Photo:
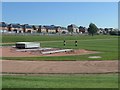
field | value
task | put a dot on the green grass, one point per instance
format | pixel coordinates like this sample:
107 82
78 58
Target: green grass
105 44
18 38
7 44
62 81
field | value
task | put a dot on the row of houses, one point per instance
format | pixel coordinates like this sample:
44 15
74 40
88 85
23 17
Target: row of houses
26 28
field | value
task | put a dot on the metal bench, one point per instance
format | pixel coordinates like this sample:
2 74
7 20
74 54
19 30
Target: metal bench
57 51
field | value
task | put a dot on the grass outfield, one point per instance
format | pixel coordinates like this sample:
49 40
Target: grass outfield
27 38
62 81
105 44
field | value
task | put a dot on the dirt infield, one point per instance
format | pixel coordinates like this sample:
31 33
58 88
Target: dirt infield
11 52
54 67
59 67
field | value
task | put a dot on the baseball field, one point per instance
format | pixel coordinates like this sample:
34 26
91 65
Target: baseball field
64 71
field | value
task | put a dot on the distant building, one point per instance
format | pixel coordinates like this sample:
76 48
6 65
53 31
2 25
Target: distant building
82 29
73 28
16 28
63 30
107 30
41 29
100 31
27 28
35 28
58 29
3 27
51 29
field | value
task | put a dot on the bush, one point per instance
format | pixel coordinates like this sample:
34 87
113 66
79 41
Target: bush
114 32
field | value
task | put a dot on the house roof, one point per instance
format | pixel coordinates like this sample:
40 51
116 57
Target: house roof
42 27
37 26
15 26
50 27
64 28
3 24
28 26
73 25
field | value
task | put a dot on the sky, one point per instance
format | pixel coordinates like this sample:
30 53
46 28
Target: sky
60 0
103 14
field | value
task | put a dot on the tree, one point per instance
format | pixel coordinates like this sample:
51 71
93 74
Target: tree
115 32
92 29
39 29
9 27
34 28
24 28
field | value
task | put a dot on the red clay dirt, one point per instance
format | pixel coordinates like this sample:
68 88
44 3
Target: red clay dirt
54 67
11 52
58 67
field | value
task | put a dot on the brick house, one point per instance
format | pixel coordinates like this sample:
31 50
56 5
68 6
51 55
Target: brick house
63 30
51 29
16 28
27 28
41 29
73 28
3 27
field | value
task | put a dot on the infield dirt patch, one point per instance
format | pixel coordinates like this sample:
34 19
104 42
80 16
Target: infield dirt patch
11 52
54 67
59 67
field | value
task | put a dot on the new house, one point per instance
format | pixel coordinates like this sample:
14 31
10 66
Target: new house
41 29
73 28
16 28
27 28
3 27
51 29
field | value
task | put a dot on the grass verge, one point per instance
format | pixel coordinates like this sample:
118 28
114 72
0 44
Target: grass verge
62 81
